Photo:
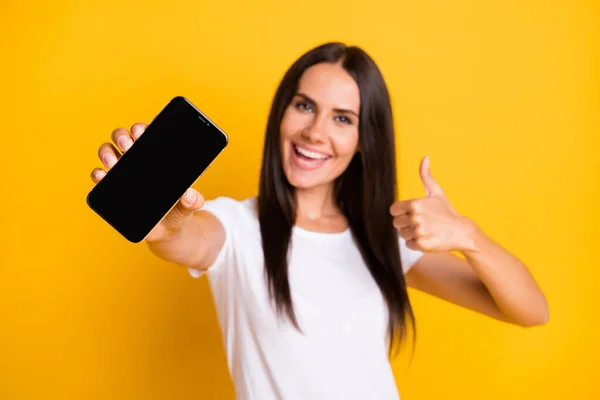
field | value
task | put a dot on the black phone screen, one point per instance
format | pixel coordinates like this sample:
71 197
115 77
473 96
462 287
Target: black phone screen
148 180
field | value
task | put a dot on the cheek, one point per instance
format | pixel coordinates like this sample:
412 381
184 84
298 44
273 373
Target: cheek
346 145
284 128
291 123
285 131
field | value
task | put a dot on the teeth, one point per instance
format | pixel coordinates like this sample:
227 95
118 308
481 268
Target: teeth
311 154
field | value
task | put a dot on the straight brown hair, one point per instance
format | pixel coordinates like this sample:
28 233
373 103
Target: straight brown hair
364 192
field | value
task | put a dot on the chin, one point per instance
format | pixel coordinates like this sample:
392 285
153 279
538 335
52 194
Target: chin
304 183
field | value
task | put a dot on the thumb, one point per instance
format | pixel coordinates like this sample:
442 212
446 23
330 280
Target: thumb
432 188
191 201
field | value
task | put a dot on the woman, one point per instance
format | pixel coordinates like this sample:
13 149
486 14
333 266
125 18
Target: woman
309 278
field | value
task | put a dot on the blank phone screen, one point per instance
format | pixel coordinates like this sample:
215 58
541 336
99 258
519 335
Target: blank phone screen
149 179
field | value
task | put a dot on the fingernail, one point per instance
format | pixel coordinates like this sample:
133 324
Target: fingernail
109 159
125 143
137 131
190 196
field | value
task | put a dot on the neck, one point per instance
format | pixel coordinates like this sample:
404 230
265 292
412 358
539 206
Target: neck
316 203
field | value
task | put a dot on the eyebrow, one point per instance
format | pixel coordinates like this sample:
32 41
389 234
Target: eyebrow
314 103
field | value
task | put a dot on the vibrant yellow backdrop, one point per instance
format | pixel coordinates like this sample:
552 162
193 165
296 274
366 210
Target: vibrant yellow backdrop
503 95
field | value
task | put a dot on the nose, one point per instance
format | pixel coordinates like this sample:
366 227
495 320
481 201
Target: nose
315 132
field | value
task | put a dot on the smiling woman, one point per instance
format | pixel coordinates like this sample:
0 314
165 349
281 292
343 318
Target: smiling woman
331 128
308 277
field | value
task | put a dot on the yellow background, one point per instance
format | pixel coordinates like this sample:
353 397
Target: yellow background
504 96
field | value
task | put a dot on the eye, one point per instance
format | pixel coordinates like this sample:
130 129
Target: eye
303 106
343 119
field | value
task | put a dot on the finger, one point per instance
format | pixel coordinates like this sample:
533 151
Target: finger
137 130
122 139
432 187
189 202
414 245
402 221
192 200
97 174
407 233
404 207
108 155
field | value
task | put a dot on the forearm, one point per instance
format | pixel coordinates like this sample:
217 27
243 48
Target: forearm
507 279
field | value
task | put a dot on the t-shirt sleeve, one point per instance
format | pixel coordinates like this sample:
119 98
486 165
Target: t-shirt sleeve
227 212
408 257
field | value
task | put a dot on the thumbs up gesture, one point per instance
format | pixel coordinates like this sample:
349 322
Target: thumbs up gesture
430 223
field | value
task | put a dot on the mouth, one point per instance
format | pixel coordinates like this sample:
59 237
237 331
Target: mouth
308 159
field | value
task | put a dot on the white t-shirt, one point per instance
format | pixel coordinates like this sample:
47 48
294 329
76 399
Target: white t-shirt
342 353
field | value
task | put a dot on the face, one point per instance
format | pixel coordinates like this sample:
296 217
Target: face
319 129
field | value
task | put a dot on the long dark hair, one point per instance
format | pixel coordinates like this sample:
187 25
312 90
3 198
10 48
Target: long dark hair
364 192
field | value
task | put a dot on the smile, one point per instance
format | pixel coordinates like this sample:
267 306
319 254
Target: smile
306 159
313 155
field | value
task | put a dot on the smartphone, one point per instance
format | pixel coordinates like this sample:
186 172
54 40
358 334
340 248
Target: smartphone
176 148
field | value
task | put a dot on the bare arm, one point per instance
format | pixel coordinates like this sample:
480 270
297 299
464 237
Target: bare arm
187 235
490 280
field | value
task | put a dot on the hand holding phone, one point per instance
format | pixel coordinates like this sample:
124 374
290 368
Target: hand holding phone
176 219
151 169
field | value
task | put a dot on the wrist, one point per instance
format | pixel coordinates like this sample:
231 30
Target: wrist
472 237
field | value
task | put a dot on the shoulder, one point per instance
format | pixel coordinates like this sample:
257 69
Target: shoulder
250 205
227 202
231 211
